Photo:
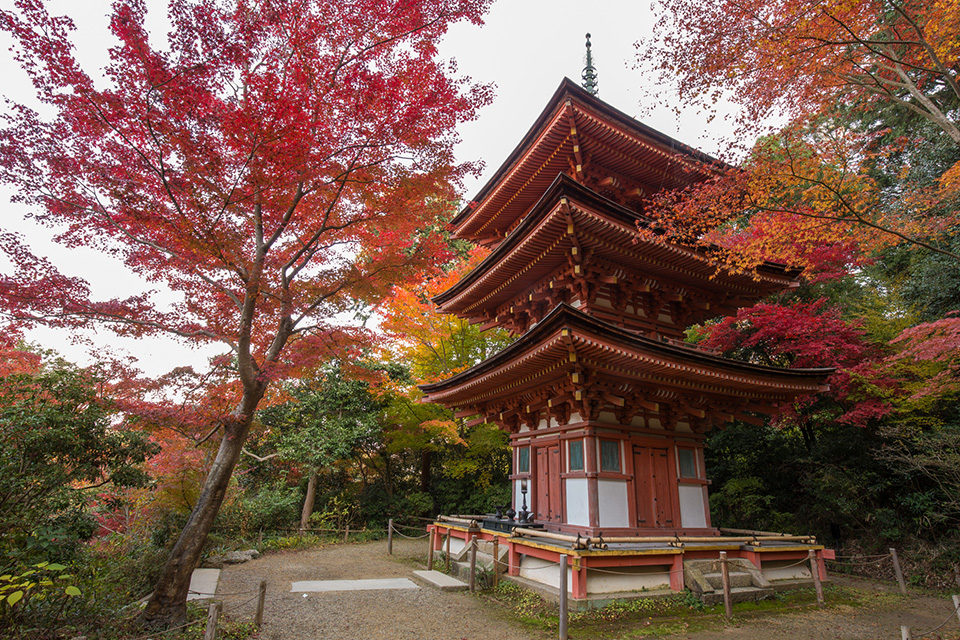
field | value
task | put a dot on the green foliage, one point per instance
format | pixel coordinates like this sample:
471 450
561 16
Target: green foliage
272 506
39 593
57 443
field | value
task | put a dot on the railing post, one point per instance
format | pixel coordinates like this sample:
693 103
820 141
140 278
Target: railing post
261 596
563 597
432 539
446 559
897 571
905 633
213 616
725 579
496 561
390 537
473 563
956 606
815 573
346 533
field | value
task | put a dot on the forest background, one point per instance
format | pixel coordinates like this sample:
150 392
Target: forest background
859 187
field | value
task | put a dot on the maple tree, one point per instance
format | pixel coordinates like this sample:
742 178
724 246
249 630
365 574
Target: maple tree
807 194
433 346
271 163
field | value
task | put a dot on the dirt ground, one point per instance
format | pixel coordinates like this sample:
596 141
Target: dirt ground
428 614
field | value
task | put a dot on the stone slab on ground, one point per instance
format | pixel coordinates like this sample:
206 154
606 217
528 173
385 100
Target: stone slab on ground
440 580
369 584
203 584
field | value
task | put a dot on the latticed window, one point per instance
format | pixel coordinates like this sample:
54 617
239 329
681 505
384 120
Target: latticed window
523 460
610 455
576 455
687 459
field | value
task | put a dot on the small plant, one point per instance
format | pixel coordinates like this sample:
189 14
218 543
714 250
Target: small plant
44 585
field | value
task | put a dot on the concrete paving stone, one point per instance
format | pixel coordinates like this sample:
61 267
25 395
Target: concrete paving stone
203 584
370 584
440 581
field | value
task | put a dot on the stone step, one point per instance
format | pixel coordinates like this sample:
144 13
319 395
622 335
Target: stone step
737 579
737 594
439 580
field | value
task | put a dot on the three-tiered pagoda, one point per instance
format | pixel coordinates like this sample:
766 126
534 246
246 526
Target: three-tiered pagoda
606 405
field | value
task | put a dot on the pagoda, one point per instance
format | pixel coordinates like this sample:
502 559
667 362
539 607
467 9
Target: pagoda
606 405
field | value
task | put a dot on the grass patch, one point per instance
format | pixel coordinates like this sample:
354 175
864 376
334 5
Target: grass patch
665 616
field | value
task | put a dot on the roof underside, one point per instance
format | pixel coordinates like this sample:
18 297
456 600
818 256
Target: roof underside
575 124
542 357
570 215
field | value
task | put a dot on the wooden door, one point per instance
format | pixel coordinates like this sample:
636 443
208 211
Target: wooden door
556 493
662 488
548 507
651 473
542 506
643 480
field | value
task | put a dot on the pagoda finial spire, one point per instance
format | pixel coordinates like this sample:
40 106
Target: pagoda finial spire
589 74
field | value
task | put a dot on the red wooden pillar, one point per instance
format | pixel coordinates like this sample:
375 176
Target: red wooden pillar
676 573
753 557
579 583
593 486
513 559
821 564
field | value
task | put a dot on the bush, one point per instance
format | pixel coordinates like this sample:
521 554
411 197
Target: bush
274 506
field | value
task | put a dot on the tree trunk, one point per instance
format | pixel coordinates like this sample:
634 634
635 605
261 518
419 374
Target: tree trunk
167 606
425 460
308 501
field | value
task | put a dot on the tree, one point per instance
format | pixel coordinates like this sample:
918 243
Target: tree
434 346
323 422
844 75
271 164
58 445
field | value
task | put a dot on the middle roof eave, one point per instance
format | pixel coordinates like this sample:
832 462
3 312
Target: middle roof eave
565 316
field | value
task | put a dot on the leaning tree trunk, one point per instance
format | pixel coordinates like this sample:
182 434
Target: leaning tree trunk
308 501
167 606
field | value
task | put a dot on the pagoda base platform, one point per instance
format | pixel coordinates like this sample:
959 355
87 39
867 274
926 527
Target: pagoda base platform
600 573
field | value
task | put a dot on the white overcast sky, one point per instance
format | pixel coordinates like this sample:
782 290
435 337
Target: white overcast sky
526 47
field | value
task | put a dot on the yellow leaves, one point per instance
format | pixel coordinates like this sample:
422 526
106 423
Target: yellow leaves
942 30
949 183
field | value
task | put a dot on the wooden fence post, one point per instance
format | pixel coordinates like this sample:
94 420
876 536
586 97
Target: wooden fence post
905 633
815 574
346 533
261 596
446 559
956 606
213 616
431 539
563 597
956 574
725 578
496 561
390 536
897 571
473 563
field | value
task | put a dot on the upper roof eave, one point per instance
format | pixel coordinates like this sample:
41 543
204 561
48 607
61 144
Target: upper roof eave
569 88
564 185
565 315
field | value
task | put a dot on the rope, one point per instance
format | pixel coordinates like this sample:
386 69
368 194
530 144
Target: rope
403 535
879 555
941 625
234 607
156 633
236 593
408 526
859 564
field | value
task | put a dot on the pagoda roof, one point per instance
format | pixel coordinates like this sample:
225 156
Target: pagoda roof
542 352
532 250
575 118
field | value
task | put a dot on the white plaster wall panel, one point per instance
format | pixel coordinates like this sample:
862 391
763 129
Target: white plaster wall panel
456 545
628 579
692 514
575 417
542 424
544 572
612 495
608 417
578 509
785 570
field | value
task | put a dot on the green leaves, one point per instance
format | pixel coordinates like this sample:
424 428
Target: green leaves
42 581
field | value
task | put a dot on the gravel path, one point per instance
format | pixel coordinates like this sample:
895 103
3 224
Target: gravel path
429 614
413 614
